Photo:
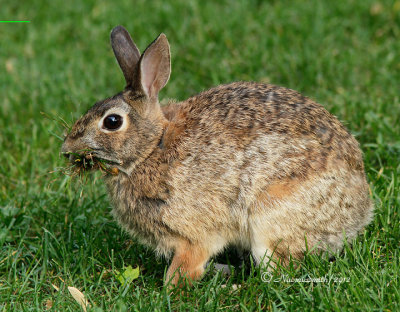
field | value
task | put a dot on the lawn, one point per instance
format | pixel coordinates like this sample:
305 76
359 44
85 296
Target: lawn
56 231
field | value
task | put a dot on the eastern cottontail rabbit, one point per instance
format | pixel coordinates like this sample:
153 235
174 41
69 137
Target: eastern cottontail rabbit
253 165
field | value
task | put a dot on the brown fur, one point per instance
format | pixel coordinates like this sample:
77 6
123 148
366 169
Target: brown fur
174 129
279 191
249 164
188 262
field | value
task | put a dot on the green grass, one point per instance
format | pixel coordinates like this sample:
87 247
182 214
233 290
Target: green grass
58 230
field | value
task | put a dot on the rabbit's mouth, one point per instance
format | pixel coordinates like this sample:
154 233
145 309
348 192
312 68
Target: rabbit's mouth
89 161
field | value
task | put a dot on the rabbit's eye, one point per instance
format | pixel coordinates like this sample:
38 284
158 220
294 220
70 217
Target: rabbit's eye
112 122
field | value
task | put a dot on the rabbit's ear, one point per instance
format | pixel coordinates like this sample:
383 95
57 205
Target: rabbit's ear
155 67
126 52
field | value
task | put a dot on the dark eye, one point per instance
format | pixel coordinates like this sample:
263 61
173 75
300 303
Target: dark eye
112 122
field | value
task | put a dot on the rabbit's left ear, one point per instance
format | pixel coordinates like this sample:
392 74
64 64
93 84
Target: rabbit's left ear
155 67
126 53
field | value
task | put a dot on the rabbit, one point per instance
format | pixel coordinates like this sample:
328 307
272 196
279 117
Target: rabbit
244 164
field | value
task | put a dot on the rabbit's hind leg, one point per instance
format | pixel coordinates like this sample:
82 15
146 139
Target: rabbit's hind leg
272 230
262 253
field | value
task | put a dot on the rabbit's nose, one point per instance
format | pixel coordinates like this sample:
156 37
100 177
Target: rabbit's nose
66 150
67 155
70 156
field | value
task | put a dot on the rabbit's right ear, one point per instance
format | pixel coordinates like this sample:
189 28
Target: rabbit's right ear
155 67
126 52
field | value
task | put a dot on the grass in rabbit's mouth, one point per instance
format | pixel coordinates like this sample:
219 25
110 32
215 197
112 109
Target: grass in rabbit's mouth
86 162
